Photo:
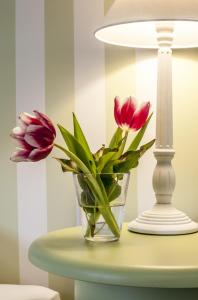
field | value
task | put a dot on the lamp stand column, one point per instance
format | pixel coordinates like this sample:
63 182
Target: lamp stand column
163 218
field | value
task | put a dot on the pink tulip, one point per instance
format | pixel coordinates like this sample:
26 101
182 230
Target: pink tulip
35 137
128 116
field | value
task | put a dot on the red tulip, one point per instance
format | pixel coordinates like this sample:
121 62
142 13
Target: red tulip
35 137
128 116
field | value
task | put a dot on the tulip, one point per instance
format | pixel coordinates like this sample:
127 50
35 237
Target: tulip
128 116
34 136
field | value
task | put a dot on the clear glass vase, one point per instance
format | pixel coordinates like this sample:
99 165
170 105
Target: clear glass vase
102 200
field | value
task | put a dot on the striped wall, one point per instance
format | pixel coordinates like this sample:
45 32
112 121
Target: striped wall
50 61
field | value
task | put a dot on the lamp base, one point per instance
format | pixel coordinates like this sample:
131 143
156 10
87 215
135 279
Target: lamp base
163 219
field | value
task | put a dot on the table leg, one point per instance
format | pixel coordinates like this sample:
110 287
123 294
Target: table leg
94 291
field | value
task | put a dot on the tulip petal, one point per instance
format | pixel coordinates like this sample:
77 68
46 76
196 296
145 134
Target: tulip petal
20 155
117 111
22 125
140 116
45 121
38 136
127 111
22 144
17 133
29 119
38 154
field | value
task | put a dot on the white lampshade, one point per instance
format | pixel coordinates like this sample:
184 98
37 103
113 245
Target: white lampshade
131 23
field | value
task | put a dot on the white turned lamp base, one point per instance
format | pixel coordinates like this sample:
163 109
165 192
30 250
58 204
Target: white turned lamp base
163 219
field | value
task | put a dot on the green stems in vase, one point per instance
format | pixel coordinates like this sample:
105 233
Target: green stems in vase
102 211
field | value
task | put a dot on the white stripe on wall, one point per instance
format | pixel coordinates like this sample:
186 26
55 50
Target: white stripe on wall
89 71
30 94
146 83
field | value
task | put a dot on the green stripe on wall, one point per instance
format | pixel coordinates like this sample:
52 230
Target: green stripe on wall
9 260
59 52
120 81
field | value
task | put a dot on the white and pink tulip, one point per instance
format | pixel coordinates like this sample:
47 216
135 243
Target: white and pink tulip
35 136
128 116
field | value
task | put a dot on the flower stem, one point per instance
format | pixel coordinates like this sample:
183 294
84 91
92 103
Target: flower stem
124 141
122 146
59 147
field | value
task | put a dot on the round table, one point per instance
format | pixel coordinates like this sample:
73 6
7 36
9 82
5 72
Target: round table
135 267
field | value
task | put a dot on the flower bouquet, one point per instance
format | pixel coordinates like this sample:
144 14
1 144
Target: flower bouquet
101 178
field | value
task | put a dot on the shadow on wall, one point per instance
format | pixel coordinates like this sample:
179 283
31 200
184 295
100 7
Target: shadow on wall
186 54
126 57
8 272
64 286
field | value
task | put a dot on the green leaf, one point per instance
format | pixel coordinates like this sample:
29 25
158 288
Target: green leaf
129 161
104 160
75 158
117 137
129 155
99 153
125 166
75 147
136 141
108 167
67 165
79 135
147 146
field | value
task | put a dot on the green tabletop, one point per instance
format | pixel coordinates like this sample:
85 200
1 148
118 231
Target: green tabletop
136 260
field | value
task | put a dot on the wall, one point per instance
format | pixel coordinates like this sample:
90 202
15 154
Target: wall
8 175
185 73
50 61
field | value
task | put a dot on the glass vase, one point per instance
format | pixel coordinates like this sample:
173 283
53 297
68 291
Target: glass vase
102 198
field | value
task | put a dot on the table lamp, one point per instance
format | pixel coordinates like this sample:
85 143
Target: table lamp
162 25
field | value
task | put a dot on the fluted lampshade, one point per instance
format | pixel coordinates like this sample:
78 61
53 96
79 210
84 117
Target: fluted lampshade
131 23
